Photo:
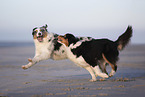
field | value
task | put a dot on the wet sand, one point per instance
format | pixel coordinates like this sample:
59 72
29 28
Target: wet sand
64 79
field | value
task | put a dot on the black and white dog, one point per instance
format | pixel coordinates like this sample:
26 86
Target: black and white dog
94 54
46 46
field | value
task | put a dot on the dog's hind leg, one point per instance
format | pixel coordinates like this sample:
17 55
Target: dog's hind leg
99 72
102 65
92 73
113 66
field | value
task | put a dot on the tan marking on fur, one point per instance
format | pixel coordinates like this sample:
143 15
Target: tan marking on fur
120 47
65 41
36 30
34 36
44 34
112 66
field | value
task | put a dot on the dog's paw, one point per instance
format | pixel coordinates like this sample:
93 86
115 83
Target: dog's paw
29 59
24 67
92 80
112 73
104 75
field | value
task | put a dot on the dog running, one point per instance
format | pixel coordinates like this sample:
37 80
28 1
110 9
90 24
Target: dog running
93 55
47 47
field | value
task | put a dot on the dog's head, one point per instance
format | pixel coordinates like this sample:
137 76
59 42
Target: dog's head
67 39
39 33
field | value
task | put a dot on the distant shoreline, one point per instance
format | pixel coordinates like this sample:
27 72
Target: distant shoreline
16 44
21 44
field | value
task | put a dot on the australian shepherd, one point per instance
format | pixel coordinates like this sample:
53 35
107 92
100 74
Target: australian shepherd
93 55
47 47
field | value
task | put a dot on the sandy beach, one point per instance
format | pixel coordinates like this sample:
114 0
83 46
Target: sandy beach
64 79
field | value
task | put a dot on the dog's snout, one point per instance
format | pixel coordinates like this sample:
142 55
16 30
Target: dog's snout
39 34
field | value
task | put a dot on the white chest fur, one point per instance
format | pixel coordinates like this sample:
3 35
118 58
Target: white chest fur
78 60
45 46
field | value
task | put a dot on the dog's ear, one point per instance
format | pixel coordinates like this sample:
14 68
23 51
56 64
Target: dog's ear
34 28
33 32
45 26
71 38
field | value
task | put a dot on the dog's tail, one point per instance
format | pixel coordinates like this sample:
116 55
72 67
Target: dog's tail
124 39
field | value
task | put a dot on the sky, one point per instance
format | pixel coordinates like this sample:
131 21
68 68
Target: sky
94 18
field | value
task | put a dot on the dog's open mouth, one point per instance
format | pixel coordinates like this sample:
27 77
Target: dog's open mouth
40 38
59 39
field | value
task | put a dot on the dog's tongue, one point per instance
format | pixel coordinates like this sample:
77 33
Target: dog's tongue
40 39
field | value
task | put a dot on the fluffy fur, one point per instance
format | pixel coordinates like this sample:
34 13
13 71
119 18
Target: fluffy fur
94 54
47 47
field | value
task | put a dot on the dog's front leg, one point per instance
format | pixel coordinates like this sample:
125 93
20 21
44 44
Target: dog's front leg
31 62
28 65
92 73
36 59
